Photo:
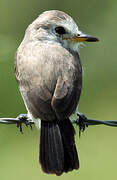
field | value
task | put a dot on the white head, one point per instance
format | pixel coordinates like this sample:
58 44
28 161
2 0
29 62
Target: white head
57 27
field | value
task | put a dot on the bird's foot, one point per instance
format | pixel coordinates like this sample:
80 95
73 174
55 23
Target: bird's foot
24 118
81 122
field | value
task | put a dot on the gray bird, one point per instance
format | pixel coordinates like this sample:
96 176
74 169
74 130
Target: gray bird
49 75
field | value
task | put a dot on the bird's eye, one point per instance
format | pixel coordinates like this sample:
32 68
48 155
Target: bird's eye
60 30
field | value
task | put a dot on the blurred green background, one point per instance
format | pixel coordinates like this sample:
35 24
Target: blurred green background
97 146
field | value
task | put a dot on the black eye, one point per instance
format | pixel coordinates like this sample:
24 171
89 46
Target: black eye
60 30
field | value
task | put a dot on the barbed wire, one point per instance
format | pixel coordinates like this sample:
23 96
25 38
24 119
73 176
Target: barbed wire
19 120
82 122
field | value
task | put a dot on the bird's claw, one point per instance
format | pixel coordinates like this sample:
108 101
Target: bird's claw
23 118
81 122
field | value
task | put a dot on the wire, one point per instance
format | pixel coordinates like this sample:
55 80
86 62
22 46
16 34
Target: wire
82 122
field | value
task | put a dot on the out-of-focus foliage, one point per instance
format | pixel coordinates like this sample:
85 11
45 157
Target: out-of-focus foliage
97 147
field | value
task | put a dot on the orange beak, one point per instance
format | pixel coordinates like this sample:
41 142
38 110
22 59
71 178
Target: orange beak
81 38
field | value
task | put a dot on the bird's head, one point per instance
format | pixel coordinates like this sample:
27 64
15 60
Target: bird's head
57 27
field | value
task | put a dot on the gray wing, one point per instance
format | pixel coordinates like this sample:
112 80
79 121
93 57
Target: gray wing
68 89
65 98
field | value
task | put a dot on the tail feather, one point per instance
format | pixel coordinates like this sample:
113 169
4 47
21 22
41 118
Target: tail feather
51 149
71 160
58 152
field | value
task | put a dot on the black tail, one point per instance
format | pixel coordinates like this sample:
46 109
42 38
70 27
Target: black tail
58 152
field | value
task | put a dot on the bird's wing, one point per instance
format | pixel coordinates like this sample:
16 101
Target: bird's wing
65 98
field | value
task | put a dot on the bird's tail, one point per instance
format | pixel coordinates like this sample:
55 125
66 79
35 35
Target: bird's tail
58 152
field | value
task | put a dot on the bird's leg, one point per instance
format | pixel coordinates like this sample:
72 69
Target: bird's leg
81 122
24 118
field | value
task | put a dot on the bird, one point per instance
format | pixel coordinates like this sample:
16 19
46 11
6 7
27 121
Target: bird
49 75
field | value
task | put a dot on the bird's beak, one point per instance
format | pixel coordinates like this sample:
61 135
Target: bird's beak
85 37
82 37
